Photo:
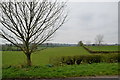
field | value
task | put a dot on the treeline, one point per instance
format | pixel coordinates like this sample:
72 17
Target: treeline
10 47
56 45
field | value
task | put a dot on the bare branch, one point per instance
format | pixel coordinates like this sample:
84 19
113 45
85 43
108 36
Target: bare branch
99 39
31 23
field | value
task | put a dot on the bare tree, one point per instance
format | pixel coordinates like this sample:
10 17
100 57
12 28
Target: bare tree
99 39
29 24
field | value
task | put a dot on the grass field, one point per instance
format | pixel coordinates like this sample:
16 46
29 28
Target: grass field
62 71
103 48
12 62
40 57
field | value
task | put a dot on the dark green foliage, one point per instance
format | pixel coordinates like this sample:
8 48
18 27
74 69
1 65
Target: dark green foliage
80 43
92 59
111 58
69 60
9 47
79 60
66 60
119 57
89 59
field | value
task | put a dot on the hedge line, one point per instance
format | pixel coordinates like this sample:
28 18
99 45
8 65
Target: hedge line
89 59
91 51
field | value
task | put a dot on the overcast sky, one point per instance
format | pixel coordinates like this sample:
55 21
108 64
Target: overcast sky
88 19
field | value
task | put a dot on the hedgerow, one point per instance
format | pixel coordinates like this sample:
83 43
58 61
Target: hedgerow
86 59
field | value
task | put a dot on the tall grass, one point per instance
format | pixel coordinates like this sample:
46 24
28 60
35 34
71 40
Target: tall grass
64 71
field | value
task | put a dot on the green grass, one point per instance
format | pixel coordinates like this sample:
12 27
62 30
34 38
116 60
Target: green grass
103 48
40 57
61 71
40 69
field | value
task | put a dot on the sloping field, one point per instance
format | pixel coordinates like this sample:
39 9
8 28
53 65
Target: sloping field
103 48
40 57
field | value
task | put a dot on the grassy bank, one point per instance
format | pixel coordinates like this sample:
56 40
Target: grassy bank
97 69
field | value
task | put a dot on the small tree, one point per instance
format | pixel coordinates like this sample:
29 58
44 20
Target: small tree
99 39
29 24
80 43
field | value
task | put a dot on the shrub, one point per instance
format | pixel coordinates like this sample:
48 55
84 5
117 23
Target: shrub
93 59
89 59
79 59
111 58
69 60
55 60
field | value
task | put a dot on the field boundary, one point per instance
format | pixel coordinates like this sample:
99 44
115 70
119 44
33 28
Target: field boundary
91 51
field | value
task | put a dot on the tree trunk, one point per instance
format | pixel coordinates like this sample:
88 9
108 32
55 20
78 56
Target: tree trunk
29 63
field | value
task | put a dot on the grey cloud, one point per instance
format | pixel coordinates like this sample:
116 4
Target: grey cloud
86 20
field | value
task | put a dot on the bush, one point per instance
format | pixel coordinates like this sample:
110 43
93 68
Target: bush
93 59
79 59
69 60
89 59
111 58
